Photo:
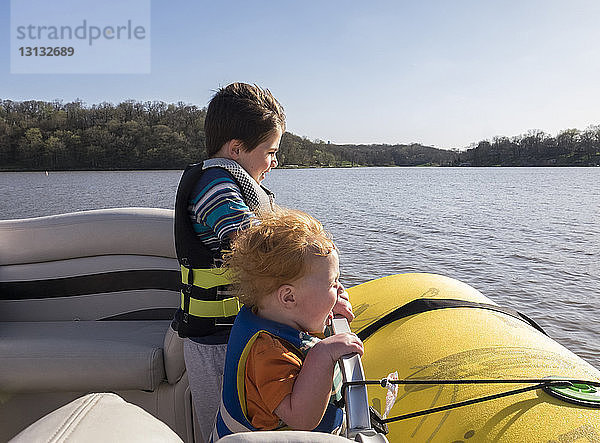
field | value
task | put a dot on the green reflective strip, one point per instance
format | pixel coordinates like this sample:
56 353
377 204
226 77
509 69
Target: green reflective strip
207 278
219 308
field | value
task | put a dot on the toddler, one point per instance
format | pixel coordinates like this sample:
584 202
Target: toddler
278 375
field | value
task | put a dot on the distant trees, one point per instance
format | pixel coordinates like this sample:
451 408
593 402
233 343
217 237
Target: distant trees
392 155
38 135
131 135
571 147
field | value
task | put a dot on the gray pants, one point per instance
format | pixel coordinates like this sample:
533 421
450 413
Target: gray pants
204 364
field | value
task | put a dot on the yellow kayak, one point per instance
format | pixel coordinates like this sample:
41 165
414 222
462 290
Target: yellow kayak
430 327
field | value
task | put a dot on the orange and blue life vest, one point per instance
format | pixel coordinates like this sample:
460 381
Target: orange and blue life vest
232 414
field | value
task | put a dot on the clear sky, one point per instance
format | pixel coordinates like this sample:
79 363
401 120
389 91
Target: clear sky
443 73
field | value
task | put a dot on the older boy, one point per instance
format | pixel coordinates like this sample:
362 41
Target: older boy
215 200
277 375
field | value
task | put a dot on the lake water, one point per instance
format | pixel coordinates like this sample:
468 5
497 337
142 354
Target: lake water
528 238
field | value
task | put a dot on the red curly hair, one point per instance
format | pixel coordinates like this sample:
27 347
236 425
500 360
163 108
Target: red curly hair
275 252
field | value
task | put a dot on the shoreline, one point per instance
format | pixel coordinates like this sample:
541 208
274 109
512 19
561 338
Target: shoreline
306 167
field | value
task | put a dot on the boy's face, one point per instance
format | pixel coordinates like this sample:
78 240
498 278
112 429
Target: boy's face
317 292
261 159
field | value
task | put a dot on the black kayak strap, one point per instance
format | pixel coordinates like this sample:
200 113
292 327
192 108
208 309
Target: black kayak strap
422 305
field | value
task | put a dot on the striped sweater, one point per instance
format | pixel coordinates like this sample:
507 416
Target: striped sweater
217 208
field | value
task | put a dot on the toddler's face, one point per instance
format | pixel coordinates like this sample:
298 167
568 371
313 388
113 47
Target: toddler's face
318 291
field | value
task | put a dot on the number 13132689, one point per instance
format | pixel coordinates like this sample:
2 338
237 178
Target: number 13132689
46 51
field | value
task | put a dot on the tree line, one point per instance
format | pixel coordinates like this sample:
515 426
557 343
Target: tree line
39 135
131 135
570 147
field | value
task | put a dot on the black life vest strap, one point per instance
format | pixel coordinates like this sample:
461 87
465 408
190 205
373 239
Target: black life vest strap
186 291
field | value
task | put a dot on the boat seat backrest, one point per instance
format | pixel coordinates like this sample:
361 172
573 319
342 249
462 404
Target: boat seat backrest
137 231
117 264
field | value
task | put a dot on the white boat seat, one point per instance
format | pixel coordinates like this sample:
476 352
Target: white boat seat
86 300
98 418
82 356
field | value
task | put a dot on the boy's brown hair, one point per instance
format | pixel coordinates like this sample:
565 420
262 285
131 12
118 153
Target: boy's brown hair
242 112
275 252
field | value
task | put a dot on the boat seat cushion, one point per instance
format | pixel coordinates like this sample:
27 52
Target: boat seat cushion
98 418
82 356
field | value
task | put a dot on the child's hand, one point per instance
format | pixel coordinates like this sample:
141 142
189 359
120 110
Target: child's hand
342 306
303 409
340 344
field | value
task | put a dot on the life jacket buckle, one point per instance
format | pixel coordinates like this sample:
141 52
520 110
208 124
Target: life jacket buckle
187 289
186 317
185 262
